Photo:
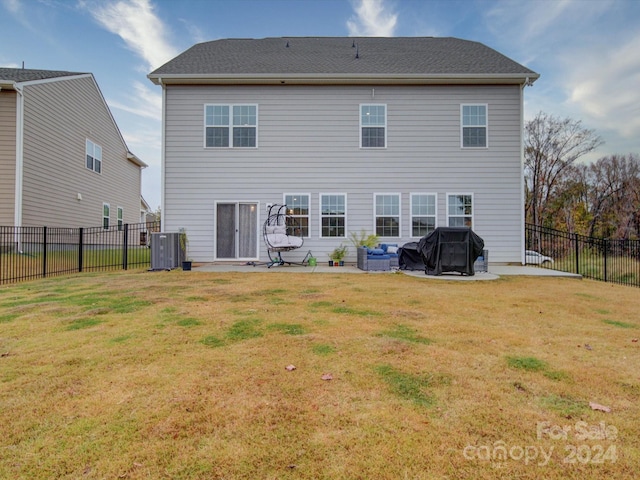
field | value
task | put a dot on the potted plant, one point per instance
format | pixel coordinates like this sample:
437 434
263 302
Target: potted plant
363 239
338 255
184 250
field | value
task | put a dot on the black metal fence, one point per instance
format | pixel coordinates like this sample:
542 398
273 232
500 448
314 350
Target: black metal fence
615 261
27 253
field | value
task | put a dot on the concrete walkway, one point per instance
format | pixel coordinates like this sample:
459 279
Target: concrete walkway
495 271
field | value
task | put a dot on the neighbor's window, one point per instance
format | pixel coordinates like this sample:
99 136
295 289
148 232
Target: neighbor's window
298 209
373 126
423 213
120 217
460 210
94 156
233 126
474 126
106 209
333 214
387 214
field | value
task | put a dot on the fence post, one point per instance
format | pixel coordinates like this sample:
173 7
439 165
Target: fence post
80 248
575 236
44 251
605 244
125 245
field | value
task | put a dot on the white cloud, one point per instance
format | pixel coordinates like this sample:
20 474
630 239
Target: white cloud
605 85
373 19
137 24
13 6
143 102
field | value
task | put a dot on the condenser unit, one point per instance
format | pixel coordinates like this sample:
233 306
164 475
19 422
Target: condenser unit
165 251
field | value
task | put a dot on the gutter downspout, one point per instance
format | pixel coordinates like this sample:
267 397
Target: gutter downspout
162 154
19 161
526 83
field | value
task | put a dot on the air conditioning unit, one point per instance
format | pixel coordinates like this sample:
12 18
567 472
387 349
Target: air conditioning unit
165 251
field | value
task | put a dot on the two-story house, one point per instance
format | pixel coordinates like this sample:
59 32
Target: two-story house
63 160
394 136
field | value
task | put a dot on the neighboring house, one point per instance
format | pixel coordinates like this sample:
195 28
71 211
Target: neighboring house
395 136
63 161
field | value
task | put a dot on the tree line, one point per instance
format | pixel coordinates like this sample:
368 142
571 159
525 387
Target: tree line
598 199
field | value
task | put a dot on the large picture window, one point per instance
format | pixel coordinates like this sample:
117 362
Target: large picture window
387 214
93 156
333 214
231 126
474 126
298 209
373 126
460 210
423 214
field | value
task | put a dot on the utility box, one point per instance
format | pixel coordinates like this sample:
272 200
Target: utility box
166 253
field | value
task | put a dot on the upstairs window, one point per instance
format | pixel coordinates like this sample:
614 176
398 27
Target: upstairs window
474 126
298 209
93 156
387 214
231 126
373 126
333 214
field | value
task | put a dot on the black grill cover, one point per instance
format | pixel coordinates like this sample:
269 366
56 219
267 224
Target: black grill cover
450 249
409 258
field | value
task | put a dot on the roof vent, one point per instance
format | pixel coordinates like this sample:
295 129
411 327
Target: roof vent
357 51
287 43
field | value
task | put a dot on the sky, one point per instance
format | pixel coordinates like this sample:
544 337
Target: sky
587 52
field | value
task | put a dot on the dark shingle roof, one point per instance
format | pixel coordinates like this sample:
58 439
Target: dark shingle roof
27 75
344 56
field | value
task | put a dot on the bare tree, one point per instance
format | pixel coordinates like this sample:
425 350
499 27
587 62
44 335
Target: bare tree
552 145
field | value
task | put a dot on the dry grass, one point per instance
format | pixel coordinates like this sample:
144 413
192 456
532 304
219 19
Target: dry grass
182 375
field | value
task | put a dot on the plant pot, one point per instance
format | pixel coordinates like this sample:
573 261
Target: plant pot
342 263
312 261
331 263
186 266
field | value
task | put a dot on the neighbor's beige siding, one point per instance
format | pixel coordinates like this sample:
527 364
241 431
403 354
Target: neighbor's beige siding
7 156
58 119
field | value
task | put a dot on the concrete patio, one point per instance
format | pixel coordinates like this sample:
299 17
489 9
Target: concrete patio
495 271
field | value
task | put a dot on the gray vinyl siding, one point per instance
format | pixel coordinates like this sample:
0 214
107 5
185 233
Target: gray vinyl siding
7 156
308 142
58 118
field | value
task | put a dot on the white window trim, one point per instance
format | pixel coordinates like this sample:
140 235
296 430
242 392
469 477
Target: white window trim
473 207
105 204
375 215
346 206
411 215
118 218
308 195
386 114
94 144
486 127
230 126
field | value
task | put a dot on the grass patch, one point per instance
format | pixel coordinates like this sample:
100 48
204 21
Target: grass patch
244 330
83 323
407 386
188 322
402 332
212 341
532 364
617 323
8 317
120 339
565 406
288 328
323 350
355 311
